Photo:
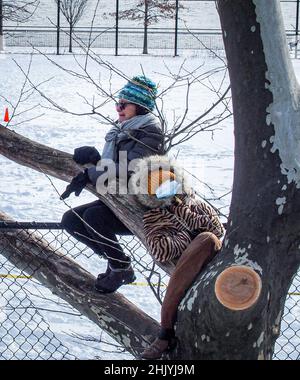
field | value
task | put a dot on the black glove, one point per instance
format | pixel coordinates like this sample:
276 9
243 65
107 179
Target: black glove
77 184
86 155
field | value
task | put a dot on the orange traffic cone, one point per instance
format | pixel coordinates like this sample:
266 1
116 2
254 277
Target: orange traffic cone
6 116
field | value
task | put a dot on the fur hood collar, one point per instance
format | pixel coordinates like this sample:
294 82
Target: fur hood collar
138 182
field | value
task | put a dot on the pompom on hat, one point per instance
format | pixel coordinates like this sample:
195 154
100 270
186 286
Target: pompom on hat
140 90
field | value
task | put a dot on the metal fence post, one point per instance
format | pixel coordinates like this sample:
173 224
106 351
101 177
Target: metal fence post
176 29
58 28
117 27
1 27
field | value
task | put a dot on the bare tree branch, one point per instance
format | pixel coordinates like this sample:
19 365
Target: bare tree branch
19 10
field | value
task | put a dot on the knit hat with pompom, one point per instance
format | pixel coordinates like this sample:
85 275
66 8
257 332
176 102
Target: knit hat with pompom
140 90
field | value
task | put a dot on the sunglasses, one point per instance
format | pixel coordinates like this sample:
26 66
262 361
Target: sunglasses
122 105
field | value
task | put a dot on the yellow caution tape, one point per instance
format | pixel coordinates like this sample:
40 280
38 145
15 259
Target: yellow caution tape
14 276
133 283
145 284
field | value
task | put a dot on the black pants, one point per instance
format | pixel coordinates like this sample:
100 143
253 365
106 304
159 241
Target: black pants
98 216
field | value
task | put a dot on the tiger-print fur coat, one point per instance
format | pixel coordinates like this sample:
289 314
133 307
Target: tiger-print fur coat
170 230
172 223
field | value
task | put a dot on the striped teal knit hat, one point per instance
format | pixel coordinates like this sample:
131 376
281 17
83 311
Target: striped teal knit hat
140 90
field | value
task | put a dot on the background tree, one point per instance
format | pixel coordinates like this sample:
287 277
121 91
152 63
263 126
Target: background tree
149 12
73 11
234 308
17 11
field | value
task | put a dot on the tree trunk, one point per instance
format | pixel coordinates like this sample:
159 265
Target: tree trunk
263 226
127 324
145 45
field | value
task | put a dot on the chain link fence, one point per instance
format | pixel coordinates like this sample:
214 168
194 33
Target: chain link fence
29 312
103 40
33 321
201 42
130 40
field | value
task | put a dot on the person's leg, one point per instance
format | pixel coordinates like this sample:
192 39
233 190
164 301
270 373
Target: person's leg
199 252
95 225
102 226
119 270
72 221
97 228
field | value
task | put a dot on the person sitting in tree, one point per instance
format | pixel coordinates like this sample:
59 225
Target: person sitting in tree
137 134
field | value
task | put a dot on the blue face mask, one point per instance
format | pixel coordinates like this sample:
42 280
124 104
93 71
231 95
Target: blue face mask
168 189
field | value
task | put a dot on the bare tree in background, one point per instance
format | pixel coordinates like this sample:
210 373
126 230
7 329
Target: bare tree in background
73 11
19 10
149 12
16 11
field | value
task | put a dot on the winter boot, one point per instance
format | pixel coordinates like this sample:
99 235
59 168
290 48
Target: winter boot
106 273
115 278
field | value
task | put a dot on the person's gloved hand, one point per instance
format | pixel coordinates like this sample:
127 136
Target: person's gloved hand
77 184
86 155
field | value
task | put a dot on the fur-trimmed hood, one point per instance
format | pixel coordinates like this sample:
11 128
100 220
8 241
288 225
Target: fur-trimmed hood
138 182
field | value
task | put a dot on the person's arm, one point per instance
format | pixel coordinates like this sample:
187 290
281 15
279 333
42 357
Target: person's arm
199 217
77 184
94 174
164 236
86 155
